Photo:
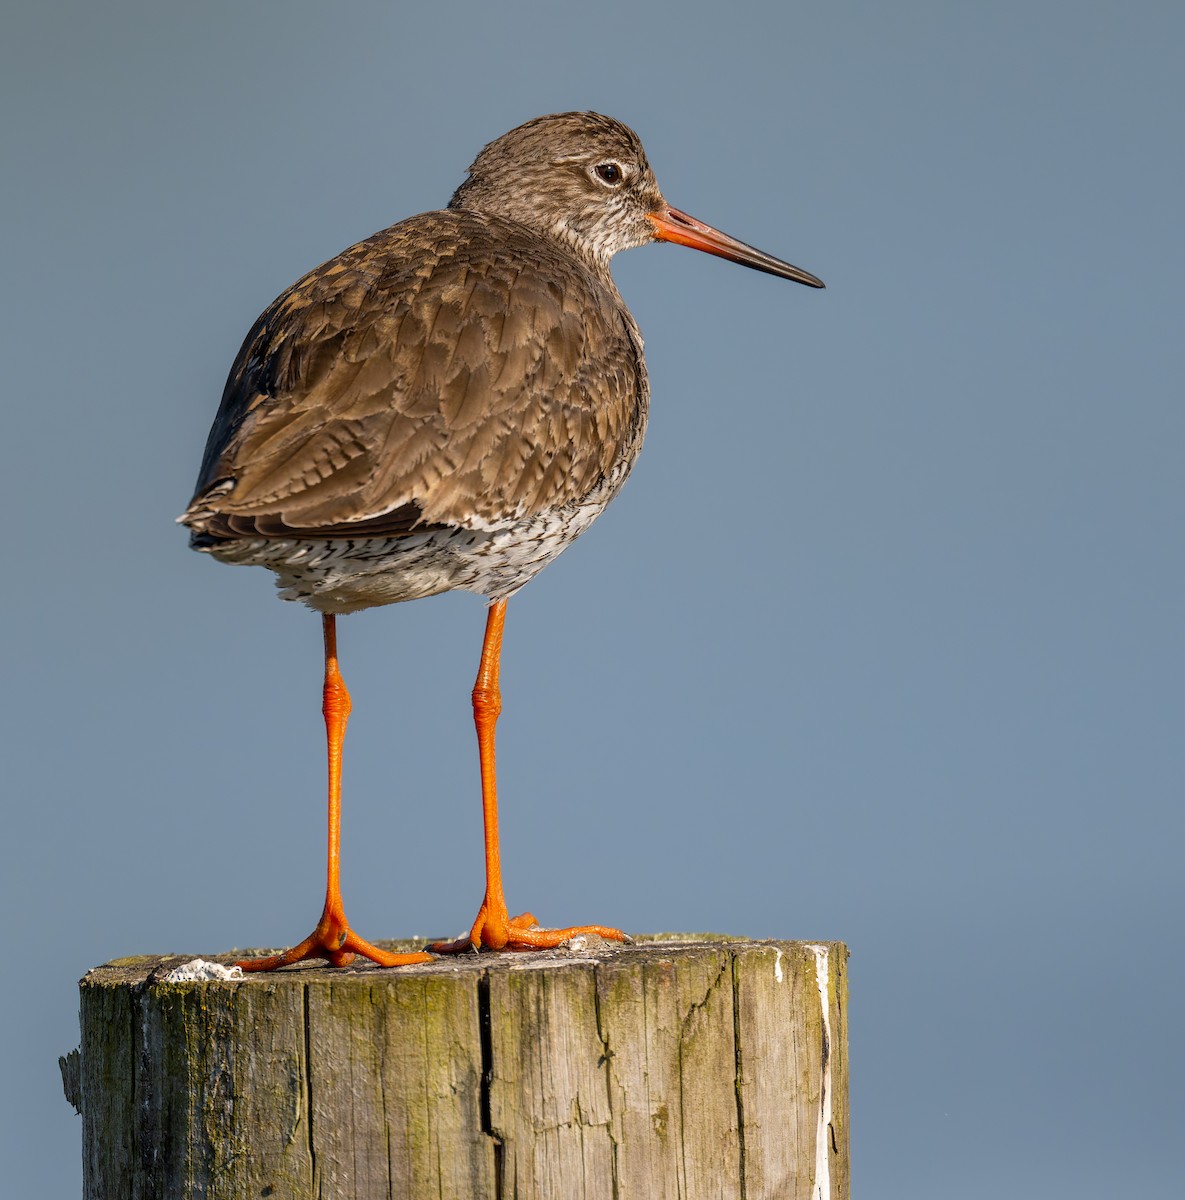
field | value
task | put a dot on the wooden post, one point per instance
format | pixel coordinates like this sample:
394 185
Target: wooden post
676 1067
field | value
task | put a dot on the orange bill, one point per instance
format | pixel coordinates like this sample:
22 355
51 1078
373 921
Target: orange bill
671 225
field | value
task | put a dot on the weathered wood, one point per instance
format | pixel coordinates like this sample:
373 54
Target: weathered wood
678 1067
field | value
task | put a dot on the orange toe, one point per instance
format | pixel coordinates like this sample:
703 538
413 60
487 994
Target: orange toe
496 930
334 941
546 939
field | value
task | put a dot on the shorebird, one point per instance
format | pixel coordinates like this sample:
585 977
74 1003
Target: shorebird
447 405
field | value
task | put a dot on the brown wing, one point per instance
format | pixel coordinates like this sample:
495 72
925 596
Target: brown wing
453 369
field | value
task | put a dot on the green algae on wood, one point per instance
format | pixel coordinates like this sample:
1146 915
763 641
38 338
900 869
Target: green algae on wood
685 1066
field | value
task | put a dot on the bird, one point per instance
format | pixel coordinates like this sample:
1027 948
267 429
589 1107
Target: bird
447 405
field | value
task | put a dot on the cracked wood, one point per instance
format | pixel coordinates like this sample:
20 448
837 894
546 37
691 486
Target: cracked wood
680 1068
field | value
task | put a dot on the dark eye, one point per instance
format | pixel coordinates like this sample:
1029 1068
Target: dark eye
610 172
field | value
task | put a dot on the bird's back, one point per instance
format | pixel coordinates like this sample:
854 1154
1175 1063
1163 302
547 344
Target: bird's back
446 404
455 369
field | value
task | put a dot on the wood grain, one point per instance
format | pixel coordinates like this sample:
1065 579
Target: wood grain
679 1067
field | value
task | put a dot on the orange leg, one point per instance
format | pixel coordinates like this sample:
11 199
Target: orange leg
494 928
333 939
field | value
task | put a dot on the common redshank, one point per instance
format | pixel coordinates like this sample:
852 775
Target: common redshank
448 404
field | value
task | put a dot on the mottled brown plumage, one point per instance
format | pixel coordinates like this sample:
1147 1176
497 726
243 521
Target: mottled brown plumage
465 371
417 370
447 404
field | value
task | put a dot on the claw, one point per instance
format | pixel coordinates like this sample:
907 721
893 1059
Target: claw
495 929
336 942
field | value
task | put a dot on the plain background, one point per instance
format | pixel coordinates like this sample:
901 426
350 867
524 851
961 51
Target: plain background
882 641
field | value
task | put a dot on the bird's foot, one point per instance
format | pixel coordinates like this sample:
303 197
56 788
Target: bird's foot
335 941
495 929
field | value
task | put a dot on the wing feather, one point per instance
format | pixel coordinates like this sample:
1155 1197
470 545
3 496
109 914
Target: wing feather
453 366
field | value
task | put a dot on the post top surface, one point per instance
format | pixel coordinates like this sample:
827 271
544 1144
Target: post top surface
647 949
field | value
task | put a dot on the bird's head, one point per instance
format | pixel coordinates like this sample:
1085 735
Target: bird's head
583 179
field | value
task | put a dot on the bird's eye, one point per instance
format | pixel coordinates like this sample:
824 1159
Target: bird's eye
608 172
